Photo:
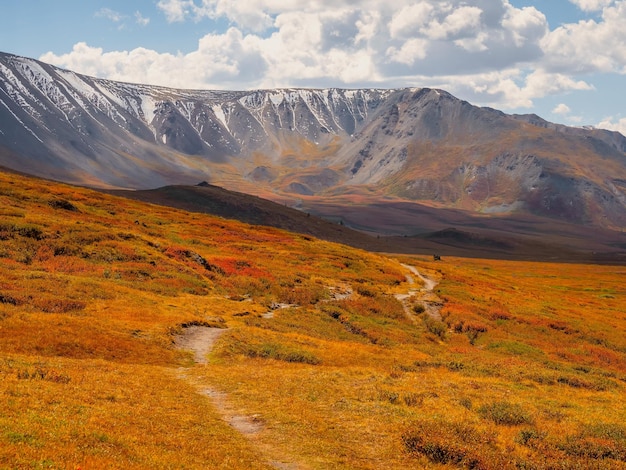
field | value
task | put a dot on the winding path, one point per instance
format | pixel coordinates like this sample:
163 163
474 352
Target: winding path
201 340
426 295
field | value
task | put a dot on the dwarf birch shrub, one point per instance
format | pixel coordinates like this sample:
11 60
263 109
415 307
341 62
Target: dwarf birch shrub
505 413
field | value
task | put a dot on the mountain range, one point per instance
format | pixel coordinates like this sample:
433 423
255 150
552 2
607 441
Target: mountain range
337 153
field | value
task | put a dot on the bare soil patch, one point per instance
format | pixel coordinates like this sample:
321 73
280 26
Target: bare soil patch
200 340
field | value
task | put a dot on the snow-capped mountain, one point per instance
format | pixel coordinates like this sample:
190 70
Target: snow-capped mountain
86 122
418 144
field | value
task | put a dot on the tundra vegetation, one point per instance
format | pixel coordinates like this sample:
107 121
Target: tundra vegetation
526 368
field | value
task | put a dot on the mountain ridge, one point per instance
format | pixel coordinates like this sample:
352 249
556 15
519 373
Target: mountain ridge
416 144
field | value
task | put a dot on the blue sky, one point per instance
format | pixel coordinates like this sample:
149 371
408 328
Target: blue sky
564 60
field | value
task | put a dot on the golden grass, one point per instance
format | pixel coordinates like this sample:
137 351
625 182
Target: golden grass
67 413
526 370
498 392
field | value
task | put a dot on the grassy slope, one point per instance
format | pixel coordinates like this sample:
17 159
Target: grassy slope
520 237
527 369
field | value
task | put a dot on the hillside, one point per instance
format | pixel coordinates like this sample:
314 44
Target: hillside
437 231
412 145
329 357
209 199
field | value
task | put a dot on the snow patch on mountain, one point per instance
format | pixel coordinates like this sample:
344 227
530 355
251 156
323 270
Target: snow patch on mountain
219 114
148 107
18 92
20 121
34 73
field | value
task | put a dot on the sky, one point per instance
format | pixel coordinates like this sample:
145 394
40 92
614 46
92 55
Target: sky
564 60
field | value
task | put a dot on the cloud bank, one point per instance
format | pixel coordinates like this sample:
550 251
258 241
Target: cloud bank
488 51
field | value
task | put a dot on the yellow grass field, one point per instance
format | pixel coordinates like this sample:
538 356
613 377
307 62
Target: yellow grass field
525 368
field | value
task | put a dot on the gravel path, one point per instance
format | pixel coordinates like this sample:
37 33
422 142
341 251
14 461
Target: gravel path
201 340
426 295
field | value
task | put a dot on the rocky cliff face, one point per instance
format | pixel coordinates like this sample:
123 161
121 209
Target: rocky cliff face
420 144
65 119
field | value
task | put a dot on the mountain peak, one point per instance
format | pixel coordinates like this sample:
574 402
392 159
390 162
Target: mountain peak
422 144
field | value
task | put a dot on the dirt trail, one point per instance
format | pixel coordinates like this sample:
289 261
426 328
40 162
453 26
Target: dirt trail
426 295
277 306
201 340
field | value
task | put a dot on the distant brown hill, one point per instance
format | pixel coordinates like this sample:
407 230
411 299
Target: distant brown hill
436 231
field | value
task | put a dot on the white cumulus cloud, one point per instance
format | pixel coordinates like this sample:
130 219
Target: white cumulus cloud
464 21
488 51
410 18
613 124
141 20
561 108
591 5
109 14
589 46
176 10
219 62
525 24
